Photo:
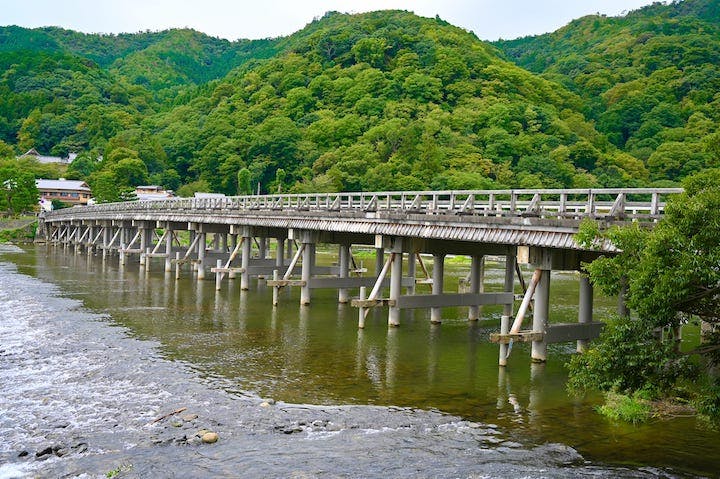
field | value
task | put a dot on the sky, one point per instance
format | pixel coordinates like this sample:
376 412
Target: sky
235 19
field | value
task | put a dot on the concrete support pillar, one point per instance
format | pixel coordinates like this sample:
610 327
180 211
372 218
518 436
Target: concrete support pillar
289 248
396 270
411 272
201 256
233 245
280 253
143 244
192 233
379 260
245 263
308 264
585 309
509 287
90 237
168 250
344 263
224 242
437 286
106 239
262 248
477 280
504 329
218 275
540 316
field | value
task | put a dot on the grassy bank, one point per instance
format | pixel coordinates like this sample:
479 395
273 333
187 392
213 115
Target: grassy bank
18 230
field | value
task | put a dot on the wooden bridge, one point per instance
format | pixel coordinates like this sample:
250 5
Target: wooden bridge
534 227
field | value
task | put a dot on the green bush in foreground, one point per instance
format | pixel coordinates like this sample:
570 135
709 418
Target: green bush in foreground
627 357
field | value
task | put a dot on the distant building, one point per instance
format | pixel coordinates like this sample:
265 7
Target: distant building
71 192
152 192
200 194
33 153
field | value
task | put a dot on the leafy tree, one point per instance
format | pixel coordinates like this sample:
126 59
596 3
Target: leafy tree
191 188
243 181
19 192
671 276
82 166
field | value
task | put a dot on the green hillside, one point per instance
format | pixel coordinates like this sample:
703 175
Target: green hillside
382 100
387 100
650 80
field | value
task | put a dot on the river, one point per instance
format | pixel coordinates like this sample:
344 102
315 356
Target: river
92 355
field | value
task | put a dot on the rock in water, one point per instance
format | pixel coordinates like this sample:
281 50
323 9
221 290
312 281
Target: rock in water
209 437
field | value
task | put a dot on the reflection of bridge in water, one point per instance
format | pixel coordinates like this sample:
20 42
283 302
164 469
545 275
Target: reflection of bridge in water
534 227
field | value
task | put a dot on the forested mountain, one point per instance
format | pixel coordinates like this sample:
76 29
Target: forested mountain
66 91
382 100
650 80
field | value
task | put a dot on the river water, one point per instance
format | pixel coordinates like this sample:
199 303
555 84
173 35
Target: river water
92 355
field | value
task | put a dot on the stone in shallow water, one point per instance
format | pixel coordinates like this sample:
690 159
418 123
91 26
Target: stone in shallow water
209 437
189 417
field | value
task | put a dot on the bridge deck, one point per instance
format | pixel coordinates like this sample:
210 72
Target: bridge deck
543 218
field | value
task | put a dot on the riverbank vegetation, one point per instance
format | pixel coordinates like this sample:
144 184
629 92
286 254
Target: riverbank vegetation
20 229
670 278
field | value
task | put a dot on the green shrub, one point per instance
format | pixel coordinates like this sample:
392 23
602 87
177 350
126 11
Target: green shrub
627 357
620 407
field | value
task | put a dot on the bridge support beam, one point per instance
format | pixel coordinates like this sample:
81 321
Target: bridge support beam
169 233
509 287
585 309
245 260
411 272
344 264
395 281
379 260
477 276
201 246
540 316
308 240
438 276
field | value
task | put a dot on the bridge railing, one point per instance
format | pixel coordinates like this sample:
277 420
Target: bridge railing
633 204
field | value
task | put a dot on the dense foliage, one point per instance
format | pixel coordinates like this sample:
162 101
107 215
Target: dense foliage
672 277
650 80
383 100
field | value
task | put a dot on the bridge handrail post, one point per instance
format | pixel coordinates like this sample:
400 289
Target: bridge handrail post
655 204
